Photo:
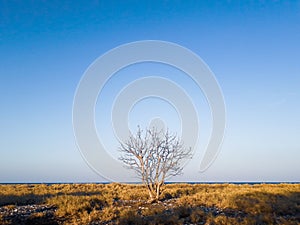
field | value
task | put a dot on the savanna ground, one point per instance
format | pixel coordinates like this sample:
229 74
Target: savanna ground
128 204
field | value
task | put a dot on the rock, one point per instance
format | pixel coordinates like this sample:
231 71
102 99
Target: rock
29 214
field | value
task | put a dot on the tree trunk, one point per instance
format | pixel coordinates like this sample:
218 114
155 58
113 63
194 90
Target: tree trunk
157 191
152 194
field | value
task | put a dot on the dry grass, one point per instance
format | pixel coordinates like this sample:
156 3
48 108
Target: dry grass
180 203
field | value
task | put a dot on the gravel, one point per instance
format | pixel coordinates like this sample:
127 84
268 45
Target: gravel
28 214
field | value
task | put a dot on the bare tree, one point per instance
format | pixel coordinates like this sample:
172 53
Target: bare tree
154 156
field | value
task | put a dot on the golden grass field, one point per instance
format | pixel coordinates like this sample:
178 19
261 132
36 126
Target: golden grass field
128 204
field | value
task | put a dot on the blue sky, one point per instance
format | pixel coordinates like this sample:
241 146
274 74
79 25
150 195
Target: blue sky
252 47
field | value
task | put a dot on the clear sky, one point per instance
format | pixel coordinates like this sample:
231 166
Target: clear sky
252 47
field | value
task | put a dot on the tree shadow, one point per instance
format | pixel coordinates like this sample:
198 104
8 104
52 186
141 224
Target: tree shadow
270 208
184 214
250 208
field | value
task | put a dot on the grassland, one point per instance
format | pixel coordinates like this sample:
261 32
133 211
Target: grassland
128 204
